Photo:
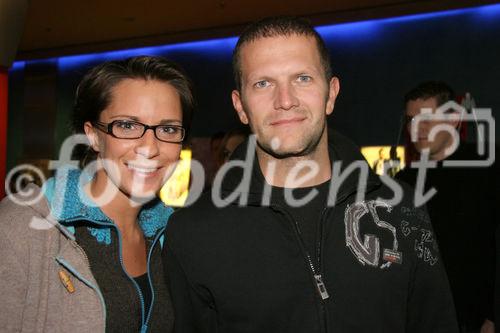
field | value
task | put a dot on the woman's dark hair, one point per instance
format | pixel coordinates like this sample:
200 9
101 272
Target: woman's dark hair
94 92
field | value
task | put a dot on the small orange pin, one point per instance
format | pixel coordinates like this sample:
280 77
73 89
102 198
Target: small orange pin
66 281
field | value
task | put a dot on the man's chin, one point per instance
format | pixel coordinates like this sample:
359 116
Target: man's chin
286 146
423 147
281 152
429 149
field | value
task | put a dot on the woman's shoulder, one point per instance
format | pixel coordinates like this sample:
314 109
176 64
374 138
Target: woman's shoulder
24 212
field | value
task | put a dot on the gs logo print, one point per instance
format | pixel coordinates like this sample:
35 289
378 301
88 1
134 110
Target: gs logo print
367 251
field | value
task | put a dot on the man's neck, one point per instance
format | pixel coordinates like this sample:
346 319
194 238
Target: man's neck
439 156
296 171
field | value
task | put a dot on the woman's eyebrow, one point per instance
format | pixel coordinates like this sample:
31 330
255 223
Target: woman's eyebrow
134 118
125 116
170 121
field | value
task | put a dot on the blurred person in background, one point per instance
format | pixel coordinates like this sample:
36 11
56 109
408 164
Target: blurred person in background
230 142
463 209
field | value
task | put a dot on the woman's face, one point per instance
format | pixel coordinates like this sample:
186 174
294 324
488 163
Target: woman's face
137 167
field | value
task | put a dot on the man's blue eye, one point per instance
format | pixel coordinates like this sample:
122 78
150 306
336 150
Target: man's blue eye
262 84
304 78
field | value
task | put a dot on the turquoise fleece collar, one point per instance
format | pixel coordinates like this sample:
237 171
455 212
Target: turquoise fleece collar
68 203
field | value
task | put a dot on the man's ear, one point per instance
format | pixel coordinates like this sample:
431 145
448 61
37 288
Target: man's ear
454 119
333 92
92 136
238 106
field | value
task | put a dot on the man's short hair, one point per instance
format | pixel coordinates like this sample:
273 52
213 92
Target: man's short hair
279 26
438 89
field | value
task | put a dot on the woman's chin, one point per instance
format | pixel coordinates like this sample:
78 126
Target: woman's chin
142 198
141 194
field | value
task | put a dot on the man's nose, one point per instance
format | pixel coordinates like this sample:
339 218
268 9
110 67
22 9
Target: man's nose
285 98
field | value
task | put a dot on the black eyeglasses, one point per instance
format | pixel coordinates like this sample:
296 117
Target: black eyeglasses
129 129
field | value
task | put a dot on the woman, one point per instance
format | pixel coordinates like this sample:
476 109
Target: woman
93 264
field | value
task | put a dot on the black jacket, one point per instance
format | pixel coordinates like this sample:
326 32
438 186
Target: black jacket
245 268
463 214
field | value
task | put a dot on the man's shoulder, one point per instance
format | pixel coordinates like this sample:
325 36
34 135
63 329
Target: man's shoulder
402 207
199 228
201 215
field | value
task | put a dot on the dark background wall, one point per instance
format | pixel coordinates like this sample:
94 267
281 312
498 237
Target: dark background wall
376 61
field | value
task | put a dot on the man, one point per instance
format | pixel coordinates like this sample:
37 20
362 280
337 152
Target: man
462 210
231 141
379 164
256 257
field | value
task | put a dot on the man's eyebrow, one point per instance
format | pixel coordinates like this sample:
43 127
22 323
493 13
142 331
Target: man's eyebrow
267 77
258 77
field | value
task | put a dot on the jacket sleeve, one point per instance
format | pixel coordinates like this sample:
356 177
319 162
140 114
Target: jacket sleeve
430 303
13 277
193 312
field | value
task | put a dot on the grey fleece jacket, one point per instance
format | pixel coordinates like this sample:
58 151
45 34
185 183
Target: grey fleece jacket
34 250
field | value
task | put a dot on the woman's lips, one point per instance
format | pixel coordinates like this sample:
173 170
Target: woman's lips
143 171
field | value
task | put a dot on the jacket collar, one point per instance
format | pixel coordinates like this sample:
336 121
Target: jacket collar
68 204
341 150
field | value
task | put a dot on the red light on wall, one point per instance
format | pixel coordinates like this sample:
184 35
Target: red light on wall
3 126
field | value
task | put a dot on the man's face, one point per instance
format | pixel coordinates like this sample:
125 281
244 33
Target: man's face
442 140
284 94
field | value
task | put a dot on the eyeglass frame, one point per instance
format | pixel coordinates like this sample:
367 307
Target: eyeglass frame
108 129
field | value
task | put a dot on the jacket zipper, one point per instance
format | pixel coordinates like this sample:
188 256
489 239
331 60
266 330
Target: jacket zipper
316 274
138 289
319 252
158 236
323 293
144 320
73 271
69 267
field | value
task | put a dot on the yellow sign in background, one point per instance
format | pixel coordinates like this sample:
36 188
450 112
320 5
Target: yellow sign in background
175 191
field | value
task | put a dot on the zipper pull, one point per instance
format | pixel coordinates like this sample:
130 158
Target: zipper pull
321 286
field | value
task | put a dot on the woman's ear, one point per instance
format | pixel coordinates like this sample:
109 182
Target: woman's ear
91 133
